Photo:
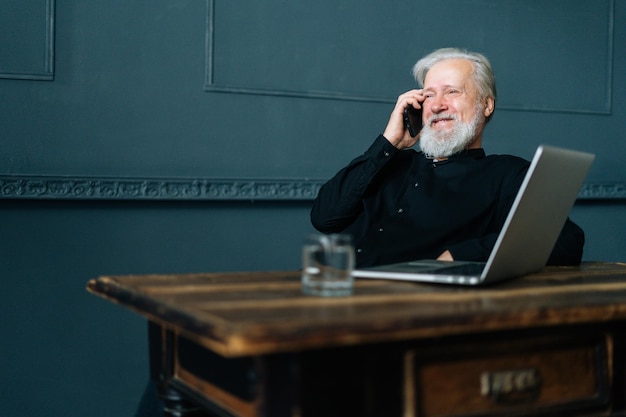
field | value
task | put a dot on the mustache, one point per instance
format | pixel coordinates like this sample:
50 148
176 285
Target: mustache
442 116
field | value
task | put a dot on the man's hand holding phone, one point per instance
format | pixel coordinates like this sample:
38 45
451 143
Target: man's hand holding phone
413 120
405 122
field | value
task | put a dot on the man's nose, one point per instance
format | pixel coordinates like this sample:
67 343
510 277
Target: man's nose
438 105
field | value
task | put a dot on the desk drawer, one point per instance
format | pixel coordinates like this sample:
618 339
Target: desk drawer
529 378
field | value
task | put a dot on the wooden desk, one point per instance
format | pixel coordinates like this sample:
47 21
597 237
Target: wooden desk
250 344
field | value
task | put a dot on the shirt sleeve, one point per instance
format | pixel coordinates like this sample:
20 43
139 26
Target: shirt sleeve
339 201
476 250
568 249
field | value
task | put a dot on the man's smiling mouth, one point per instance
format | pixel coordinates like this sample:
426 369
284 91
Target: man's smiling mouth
441 119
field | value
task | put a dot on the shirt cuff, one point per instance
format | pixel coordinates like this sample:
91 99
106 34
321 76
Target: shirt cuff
381 148
474 250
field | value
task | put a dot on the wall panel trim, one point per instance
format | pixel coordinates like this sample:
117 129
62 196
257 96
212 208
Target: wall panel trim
211 86
46 71
109 188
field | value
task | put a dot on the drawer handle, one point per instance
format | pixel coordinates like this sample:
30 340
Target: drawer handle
511 386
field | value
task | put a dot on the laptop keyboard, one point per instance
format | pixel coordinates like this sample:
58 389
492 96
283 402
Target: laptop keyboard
455 268
465 269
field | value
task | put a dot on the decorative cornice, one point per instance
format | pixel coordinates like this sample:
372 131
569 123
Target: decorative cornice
106 188
603 190
71 188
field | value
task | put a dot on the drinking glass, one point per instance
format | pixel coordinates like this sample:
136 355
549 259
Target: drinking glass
327 264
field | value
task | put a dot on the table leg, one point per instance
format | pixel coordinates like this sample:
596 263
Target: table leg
176 404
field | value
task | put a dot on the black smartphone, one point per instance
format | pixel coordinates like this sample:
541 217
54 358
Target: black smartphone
413 120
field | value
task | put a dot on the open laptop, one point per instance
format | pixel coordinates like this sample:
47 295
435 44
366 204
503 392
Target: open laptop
530 230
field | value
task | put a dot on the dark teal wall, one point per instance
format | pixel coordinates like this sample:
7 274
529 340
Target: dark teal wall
65 352
132 142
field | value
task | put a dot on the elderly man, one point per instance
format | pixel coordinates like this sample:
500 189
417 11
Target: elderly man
448 201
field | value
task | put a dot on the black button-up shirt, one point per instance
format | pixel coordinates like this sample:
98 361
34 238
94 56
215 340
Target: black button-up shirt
400 205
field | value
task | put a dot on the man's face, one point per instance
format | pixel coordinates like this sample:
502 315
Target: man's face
450 90
453 114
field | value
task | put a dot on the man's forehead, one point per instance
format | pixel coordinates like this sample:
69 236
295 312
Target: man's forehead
449 72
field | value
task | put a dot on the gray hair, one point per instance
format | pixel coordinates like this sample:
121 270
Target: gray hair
483 73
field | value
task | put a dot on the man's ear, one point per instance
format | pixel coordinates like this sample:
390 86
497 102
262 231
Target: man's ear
489 107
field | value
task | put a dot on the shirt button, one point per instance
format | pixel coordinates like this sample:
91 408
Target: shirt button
359 250
380 230
400 210
386 153
417 184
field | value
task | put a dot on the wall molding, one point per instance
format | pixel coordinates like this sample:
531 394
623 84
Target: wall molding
45 71
603 190
211 86
107 188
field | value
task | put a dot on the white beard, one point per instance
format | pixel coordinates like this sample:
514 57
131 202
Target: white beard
444 143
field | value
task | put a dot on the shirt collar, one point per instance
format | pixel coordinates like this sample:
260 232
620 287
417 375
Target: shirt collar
465 154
